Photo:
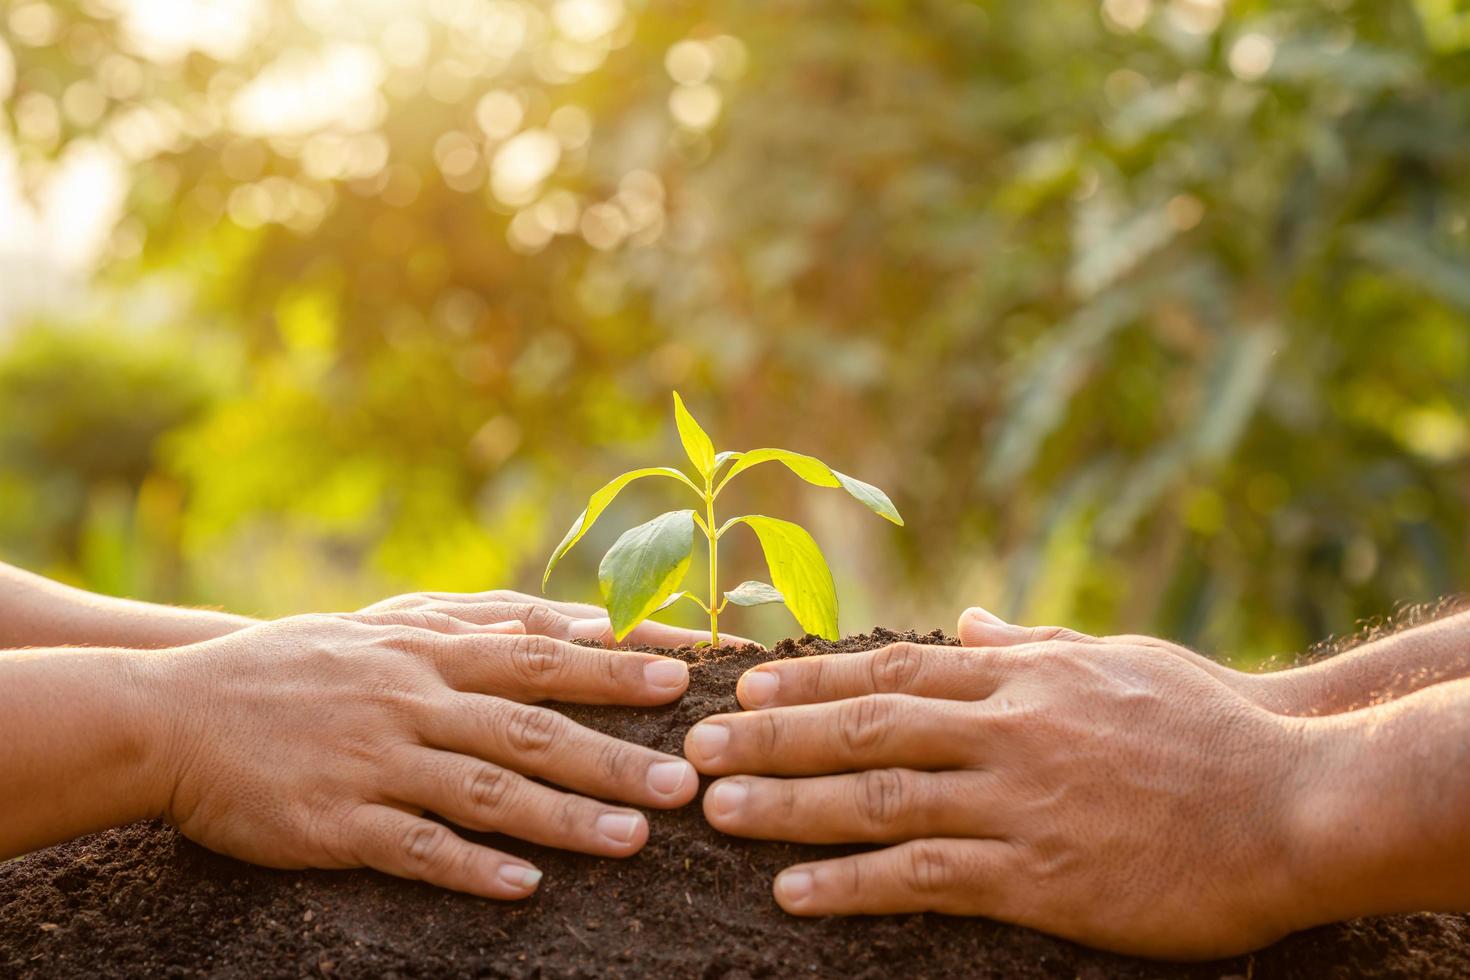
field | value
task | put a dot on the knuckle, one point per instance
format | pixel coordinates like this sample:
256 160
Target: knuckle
881 794
403 634
414 619
532 730
788 801
533 658
392 692
540 619
569 815
862 723
423 846
896 667
769 729
927 867
613 762
488 789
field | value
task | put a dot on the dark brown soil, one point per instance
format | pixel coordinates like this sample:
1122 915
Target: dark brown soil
143 901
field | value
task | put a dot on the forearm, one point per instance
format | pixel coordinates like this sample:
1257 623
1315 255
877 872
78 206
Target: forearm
1375 672
37 612
1386 808
82 744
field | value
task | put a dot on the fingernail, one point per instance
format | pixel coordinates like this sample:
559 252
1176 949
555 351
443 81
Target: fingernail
666 674
760 687
794 886
976 614
667 778
520 877
709 740
620 828
726 797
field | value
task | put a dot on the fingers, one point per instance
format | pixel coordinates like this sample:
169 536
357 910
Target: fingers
572 610
539 742
647 633
539 668
407 846
486 797
956 877
902 668
879 806
871 732
440 622
561 620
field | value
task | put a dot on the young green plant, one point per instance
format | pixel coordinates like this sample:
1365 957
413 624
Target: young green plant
643 571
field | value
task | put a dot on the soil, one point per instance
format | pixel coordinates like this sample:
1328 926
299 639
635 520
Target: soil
143 901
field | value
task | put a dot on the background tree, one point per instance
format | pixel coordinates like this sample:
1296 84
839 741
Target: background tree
1150 315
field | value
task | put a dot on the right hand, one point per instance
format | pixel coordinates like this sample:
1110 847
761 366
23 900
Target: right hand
321 741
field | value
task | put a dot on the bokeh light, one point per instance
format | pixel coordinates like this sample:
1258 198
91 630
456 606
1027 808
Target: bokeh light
1152 315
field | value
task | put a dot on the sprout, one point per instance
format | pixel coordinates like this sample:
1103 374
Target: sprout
644 570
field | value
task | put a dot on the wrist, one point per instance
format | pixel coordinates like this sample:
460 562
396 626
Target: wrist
1353 853
168 697
1291 692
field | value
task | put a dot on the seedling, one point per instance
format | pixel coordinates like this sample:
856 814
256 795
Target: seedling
643 571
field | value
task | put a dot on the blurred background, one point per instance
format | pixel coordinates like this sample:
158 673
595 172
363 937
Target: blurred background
1150 315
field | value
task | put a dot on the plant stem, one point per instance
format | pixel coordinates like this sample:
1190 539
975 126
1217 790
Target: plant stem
714 561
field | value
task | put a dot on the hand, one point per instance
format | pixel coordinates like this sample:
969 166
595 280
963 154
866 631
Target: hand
1098 791
320 741
1279 691
545 617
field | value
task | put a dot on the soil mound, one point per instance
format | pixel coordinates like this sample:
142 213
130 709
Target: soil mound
144 901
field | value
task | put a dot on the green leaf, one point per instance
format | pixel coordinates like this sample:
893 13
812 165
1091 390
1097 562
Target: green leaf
799 573
598 503
753 594
644 567
697 445
876 500
670 601
809 468
813 470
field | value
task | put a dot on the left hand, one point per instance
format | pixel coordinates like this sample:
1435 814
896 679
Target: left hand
543 617
1103 792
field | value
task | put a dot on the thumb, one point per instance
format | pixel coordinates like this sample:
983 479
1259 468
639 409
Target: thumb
983 628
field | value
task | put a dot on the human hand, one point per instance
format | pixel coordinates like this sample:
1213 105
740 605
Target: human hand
1097 791
981 628
320 741
1386 668
545 617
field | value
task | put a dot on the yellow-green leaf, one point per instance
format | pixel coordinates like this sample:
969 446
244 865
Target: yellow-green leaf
799 573
598 503
644 567
809 468
697 445
876 500
814 471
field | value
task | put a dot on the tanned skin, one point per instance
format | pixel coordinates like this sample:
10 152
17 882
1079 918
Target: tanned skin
1123 791
320 741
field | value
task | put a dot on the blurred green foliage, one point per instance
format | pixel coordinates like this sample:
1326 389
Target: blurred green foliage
1152 315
